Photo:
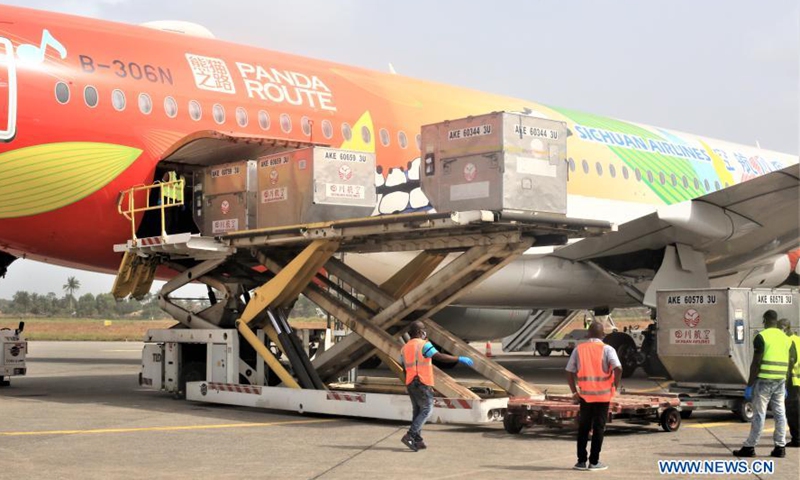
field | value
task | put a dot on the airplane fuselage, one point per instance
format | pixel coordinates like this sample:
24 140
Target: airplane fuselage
91 107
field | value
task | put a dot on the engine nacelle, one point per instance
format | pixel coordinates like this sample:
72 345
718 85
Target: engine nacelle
477 324
772 272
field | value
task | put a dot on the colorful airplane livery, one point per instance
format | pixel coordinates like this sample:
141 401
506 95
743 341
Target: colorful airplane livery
89 108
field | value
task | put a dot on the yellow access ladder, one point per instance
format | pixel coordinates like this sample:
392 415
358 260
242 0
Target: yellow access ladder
136 274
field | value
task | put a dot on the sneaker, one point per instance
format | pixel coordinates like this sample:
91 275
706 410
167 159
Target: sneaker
778 452
409 442
420 445
745 452
598 466
580 466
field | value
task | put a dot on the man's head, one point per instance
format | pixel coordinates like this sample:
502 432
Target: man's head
417 330
770 318
596 330
784 325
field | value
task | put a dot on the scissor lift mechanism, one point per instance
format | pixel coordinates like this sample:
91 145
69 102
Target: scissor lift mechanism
278 264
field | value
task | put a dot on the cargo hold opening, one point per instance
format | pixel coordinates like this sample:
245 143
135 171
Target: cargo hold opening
197 151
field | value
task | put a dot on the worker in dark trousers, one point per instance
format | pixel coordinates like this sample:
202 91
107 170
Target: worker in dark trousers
767 385
594 373
792 385
416 359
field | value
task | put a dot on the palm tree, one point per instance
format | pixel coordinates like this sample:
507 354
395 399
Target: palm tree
72 286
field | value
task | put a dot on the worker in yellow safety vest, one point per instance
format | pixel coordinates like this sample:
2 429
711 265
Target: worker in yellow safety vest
767 385
173 191
792 385
594 373
416 359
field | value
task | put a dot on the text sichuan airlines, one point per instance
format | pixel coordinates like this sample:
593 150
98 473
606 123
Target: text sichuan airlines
285 86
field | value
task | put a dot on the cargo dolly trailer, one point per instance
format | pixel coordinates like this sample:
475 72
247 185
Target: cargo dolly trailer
705 341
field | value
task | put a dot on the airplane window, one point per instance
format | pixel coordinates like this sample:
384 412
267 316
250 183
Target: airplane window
90 96
696 184
705 183
366 135
571 164
241 117
716 185
650 176
347 132
419 141
402 139
62 93
585 166
305 124
624 172
685 182
384 137
599 169
145 103
286 123
170 107
219 113
612 171
327 128
673 179
662 178
263 120
638 175
195 110
118 100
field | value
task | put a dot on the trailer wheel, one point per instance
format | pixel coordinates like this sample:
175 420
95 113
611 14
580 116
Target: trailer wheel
543 349
670 420
512 423
626 351
744 410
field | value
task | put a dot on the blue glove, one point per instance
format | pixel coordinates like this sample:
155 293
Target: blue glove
466 361
748 393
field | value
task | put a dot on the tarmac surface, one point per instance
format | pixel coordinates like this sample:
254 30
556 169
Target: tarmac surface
80 413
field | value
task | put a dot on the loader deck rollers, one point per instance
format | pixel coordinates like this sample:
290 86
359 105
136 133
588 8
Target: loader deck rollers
256 276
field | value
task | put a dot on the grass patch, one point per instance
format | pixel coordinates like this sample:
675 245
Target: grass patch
84 329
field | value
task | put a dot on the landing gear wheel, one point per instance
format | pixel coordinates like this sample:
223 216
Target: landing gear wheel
512 423
543 349
191 372
670 420
626 351
744 410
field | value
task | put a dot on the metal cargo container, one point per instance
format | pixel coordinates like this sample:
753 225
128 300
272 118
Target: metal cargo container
314 185
499 161
225 198
706 335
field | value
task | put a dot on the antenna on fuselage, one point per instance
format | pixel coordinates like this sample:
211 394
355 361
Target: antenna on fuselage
391 69
758 144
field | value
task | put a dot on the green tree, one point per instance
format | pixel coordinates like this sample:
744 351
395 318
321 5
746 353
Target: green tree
21 302
72 286
86 306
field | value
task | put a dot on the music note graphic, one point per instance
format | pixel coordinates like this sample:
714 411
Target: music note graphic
33 54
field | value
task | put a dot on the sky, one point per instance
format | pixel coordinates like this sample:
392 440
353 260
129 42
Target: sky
725 69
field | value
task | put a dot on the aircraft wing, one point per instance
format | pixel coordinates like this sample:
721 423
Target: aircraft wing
736 228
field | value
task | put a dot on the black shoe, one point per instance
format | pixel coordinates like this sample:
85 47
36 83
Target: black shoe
409 442
580 466
778 452
794 444
420 445
745 452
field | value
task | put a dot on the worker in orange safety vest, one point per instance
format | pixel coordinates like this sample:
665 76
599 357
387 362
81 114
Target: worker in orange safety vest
416 359
593 373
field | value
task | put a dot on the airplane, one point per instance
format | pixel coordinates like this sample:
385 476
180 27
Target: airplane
89 108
